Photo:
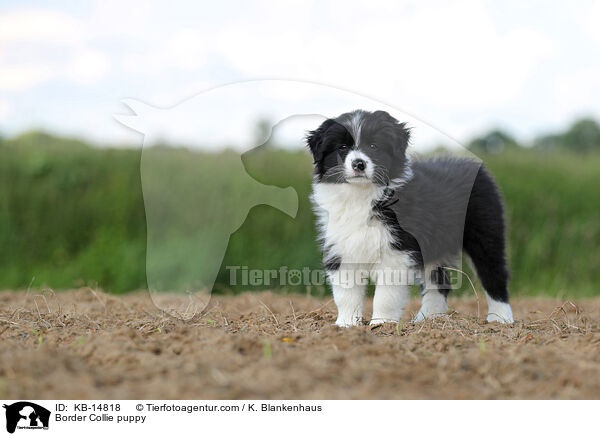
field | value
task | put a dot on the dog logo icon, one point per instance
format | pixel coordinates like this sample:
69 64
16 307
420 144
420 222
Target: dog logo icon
26 415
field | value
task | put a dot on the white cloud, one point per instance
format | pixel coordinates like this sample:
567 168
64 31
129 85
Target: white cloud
41 45
572 92
185 49
4 109
21 77
188 49
87 67
447 53
590 20
42 26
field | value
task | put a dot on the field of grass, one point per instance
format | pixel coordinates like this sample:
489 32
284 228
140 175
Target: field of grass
72 215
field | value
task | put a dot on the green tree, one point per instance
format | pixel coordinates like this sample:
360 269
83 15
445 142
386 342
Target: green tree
494 142
583 136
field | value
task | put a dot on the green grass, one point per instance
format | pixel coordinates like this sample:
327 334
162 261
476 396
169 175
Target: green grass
553 214
73 215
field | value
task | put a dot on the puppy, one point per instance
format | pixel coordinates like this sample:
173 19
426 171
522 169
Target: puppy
384 218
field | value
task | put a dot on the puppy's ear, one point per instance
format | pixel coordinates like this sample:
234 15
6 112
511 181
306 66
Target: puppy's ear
314 139
403 134
401 130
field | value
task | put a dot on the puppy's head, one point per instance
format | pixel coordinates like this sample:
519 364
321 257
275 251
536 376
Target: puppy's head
359 147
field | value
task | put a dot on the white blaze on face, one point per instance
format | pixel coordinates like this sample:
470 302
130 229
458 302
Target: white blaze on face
355 176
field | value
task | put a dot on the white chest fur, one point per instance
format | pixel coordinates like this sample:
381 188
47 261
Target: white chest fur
346 225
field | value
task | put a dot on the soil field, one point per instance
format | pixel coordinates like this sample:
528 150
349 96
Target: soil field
85 344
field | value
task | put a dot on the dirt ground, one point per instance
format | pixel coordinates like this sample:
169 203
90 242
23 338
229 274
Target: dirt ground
88 345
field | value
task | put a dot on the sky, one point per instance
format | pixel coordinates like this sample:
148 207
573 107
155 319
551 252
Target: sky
461 67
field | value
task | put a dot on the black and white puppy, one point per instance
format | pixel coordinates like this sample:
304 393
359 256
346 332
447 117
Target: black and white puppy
379 213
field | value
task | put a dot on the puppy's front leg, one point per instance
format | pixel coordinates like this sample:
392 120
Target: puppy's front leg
349 302
434 304
389 302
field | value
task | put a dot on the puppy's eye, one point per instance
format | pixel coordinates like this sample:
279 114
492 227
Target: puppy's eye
373 146
343 146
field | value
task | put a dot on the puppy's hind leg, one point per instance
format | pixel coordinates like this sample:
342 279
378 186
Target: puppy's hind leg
493 274
487 256
483 241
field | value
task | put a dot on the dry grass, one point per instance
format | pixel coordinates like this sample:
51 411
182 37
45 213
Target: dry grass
87 344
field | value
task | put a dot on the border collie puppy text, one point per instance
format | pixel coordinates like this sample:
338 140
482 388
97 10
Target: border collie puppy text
385 218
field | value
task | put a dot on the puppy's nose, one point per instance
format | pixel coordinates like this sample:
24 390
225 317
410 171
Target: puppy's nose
359 165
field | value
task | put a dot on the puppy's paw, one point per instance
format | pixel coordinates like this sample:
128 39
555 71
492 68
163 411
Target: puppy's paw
379 321
499 312
434 305
348 323
419 317
498 318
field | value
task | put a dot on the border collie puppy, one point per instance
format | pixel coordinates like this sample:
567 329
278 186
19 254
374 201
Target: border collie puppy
399 222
